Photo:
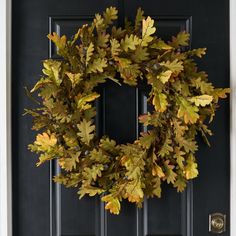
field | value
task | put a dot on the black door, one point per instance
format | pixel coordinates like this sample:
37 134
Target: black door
41 208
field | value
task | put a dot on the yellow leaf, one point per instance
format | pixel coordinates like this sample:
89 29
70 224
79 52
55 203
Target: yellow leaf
220 93
179 155
130 42
46 141
199 52
112 204
134 192
43 158
74 78
60 42
147 30
161 45
164 76
191 170
69 163
99 22
83 102
160 101
115 47
201 100
89 52
86 131
157 171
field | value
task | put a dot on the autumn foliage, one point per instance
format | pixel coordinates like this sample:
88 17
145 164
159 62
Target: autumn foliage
183 101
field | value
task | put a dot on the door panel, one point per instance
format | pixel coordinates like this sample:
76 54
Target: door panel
44 208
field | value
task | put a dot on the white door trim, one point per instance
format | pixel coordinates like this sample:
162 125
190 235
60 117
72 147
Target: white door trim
233 117
5 118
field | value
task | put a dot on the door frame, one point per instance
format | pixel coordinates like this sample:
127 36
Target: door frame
5 118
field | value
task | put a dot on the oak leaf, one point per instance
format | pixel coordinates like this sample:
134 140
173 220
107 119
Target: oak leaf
86 131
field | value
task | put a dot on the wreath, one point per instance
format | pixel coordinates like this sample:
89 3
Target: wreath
183 101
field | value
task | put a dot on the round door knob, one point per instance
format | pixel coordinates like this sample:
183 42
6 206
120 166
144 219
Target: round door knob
217 223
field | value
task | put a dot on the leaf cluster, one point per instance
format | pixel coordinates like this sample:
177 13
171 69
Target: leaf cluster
183 99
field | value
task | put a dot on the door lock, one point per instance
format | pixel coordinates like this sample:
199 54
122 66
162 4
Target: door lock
217 223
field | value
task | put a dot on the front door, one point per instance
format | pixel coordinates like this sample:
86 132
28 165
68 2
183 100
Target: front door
42 208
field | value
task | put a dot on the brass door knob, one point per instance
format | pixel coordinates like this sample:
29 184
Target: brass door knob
217 223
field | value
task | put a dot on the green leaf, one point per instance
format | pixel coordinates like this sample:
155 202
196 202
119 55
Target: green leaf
89 53
130 42
69 163
189 145
44 157
86 131
166 148
90 190
161 45
170 175
180 184
187 111
108 145
110 15
60 42
99 156
83 102
115 47
138 19
182 39
156 182
147 139
52 69
199 52
140 54
179 155
205 87
91 174
134 191
174 66
74 78
102 40
97 65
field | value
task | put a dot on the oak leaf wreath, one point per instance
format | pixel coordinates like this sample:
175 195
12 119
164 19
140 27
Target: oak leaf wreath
183 100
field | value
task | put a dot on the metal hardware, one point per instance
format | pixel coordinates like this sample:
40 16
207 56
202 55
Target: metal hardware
217 223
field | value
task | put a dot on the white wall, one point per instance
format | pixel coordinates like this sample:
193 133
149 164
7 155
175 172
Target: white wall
5 160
